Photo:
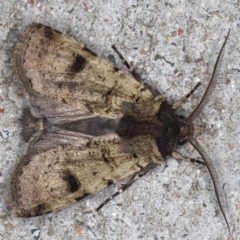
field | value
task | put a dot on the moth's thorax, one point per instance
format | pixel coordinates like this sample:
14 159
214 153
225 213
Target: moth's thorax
130 127
163 126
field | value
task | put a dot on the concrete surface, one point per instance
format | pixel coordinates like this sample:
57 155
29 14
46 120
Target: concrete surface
173 44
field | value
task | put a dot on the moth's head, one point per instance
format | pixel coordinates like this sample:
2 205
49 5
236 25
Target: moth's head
186 130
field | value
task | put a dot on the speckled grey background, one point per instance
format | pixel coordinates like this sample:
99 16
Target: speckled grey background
173 44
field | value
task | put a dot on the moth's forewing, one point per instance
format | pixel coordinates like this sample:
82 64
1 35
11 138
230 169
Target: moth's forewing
54 65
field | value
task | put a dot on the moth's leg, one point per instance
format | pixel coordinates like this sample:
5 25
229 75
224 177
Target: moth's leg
179 156
178 103
125 186
134 74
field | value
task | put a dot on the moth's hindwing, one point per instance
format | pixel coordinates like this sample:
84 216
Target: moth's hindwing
78 102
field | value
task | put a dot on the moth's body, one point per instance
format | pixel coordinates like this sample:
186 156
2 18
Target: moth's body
90 124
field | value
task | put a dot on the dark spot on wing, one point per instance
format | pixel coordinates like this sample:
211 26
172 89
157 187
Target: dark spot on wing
108 93
110 182
60 84
137 99
72 182
104 158
135 155
78 64
64 101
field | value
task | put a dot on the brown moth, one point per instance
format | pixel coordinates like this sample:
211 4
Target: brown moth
89 125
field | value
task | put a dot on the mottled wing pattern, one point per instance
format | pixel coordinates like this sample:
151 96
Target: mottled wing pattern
69 83
53 179
56 66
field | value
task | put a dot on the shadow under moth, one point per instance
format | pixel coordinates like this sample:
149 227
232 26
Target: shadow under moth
89 124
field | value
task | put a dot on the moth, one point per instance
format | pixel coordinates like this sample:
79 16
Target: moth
89 124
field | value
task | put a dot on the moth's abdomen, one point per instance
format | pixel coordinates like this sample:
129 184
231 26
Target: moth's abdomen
94 126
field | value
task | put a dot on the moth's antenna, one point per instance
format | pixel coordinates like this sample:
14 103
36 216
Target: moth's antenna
213 173
210 87
210 166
